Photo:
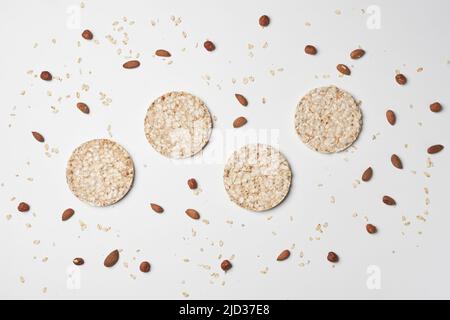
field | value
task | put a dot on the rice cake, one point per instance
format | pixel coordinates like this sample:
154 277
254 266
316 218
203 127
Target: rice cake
328 119
178 125
257 177
100 172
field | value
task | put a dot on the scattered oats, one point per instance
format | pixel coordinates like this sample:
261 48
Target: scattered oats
82 5
133 276
332 199
22 279
22 93
265 270
307 24
83 225
354 215
37 242
125 265
338 12
35 45
184 34
265 45
185 294
28 225
205 221
427 174
54 41
8 216
420 69
45 259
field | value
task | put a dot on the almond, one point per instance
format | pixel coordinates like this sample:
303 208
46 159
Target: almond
78 261
242 100
309 49
264 21
162 53
156 208
283 255
401 79
112 259
389 201
391 118
435 149
87 34
193 214
67 214
357 53
436 107
192 183
46 76
145 267
39 137
396 162
367 175
342 68
371 228
226 265
239 122
23 207
209 46
83 107
332 257
132 64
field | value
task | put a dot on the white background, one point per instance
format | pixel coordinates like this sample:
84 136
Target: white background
411 260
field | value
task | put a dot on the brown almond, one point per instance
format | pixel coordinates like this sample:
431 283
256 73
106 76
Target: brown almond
396 162
342 68
436 107
435 149
78 261
389 201
192 183
87 34
162 53
264 21
193 214
46 76
112 259
332 257
226 265
284 255
209 46
67 214
357 53
391 117
132 64
401 79
83 107
23 207
367 174
145 267
371 228
156 208
242 100
239 122
39 137
310 49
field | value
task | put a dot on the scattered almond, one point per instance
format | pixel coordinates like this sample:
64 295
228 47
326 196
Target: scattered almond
310 49
371 228
226 265
435 149
156 208
145 267
78 261
132 64
209 46
112 259
284 255
239 122
162 53
83 107
67 214
401 79
242 100
46 76
193 214
367 174
23 207
342 68
436 107
389 201
396 162
332 257
391 118
192 183
264 21
39 137
87 34
357 53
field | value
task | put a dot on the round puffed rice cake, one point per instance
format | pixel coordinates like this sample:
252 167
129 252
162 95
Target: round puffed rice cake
178 125
328 119
257 177
100 172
